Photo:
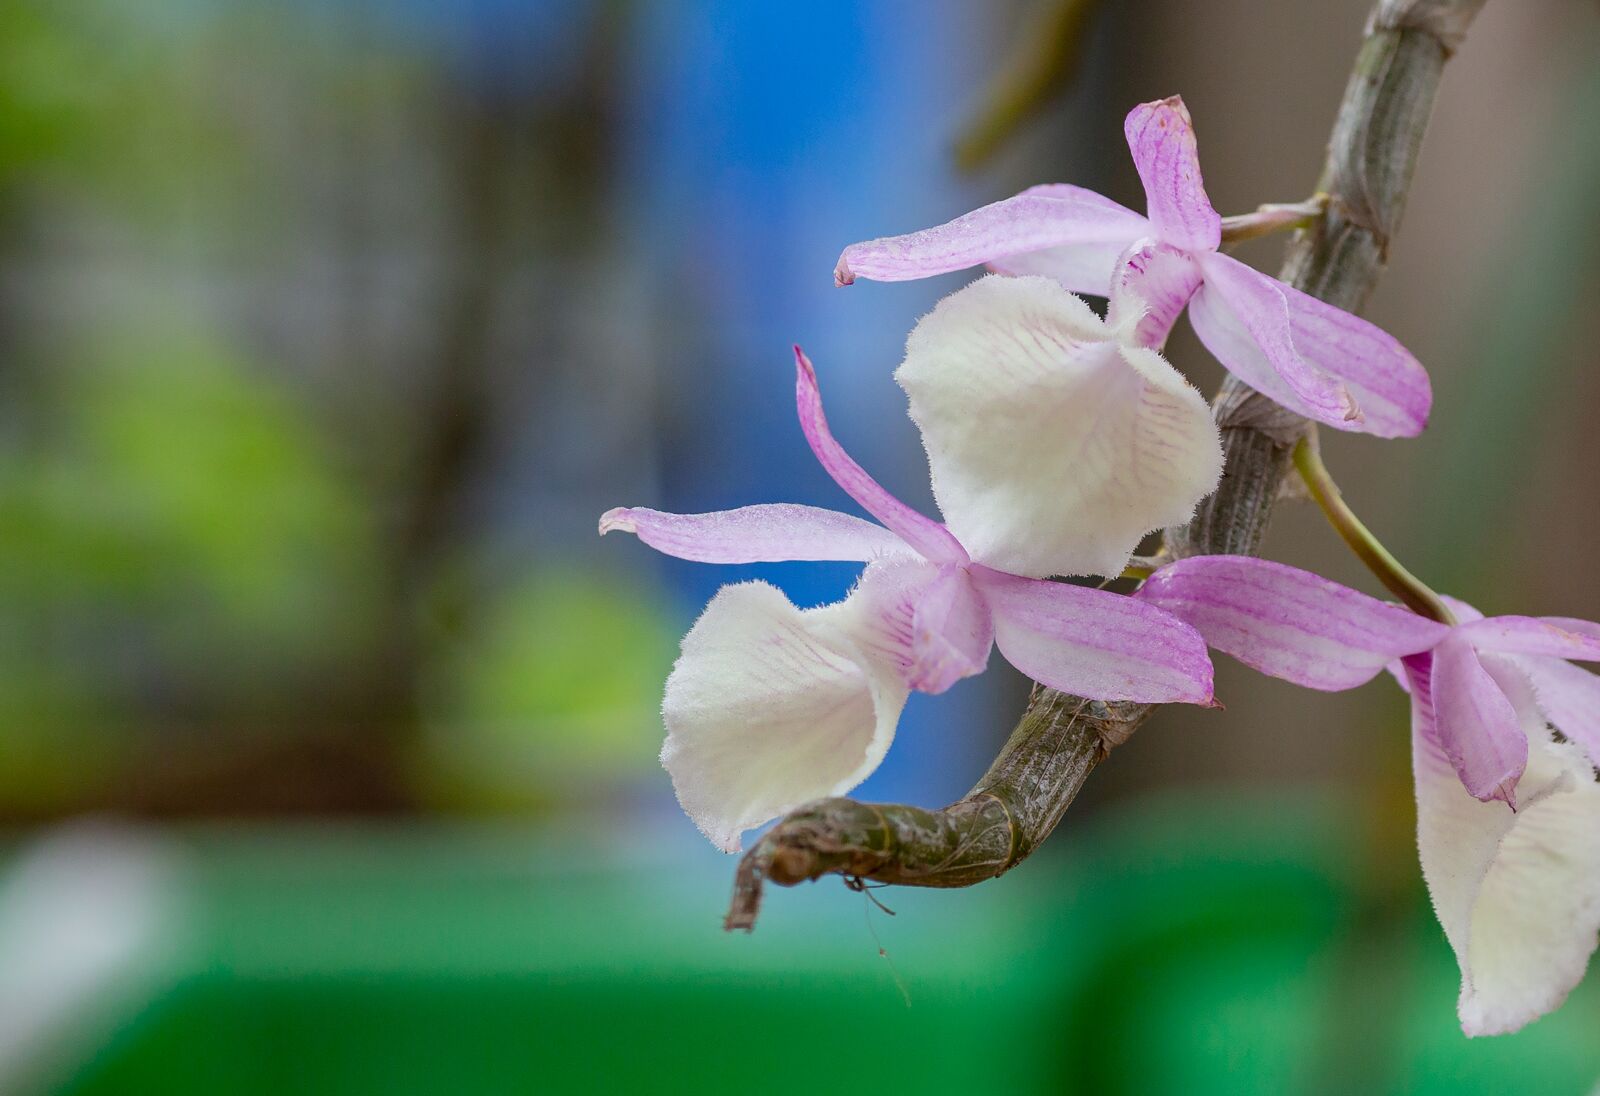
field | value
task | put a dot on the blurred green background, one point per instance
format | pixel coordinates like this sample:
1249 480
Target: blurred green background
328 729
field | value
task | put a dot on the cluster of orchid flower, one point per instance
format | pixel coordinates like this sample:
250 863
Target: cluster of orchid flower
1056 440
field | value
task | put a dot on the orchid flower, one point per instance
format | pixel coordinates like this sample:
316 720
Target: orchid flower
1517 890
1313 358
1054 439
770 706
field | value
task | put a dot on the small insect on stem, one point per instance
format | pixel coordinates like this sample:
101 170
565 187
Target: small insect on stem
861 886
865 889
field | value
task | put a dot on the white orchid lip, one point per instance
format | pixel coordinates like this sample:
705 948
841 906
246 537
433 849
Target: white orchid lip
770 706
1054 441
1517 893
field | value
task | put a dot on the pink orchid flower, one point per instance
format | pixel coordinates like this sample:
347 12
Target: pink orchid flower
1317 360
770 706
1517 890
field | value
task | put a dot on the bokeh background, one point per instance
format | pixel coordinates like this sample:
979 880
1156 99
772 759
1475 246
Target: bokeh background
328 728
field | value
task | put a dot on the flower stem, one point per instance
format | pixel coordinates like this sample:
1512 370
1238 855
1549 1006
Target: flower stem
1273 218
1379 560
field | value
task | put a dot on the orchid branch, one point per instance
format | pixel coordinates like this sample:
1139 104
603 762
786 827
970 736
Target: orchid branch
1337 258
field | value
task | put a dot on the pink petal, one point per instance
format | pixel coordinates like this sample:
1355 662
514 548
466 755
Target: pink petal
951 632
1463 613
1517 893
924 619
1161 138
1156 280
927 536
1415 674
1057 230
1289 623
1549 637
1388 386
1585 628
1243 317
1569 697
756 534
1478 726
1094 643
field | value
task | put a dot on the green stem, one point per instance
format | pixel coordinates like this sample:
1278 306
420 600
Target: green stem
1268 219
1379 560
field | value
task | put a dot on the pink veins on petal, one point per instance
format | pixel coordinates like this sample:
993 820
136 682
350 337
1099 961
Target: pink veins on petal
1303 628
1317 360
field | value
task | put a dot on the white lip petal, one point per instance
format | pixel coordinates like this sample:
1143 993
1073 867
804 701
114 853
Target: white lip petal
1053 445
1518 893
770 706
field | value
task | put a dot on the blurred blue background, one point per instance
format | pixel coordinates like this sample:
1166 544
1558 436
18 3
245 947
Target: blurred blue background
328 729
